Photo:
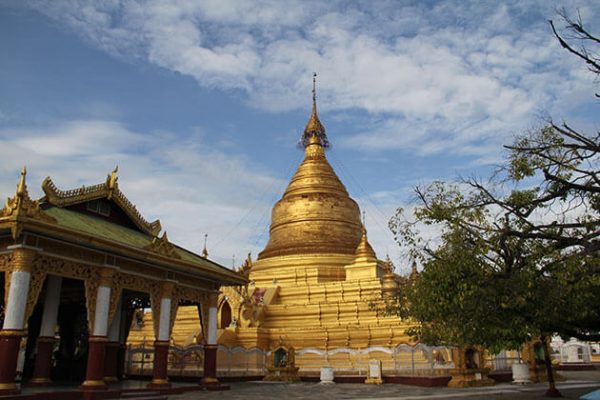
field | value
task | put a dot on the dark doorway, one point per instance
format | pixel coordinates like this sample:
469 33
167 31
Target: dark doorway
70 355
225 315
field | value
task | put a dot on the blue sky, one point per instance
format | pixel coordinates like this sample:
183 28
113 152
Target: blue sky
201 104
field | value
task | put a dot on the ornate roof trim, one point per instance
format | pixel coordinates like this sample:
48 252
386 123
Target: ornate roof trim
162 246
21 206
108 190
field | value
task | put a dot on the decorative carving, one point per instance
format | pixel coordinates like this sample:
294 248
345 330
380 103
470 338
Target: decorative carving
108 190
21 206
91 294
4 262
192 295
203 310
155 297
162 246
36 282
64 268
7 278
115 295
175 298
246 266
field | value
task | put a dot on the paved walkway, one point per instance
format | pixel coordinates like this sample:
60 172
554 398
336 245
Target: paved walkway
577 384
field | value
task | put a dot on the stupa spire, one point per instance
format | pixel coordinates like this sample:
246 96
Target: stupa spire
314 128
364 248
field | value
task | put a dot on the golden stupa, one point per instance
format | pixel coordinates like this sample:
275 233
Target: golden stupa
317 287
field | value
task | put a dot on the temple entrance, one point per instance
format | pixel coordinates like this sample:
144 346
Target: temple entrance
225 315
70 349
70 355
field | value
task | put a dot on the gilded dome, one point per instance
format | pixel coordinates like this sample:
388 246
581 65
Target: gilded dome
315 214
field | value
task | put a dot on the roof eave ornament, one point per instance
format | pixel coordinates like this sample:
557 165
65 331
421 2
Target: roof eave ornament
109 190
21 206
314 126
111 182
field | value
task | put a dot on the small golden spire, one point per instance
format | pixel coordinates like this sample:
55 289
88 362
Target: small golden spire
205 250
389 265
314 126
111 182
364 249
22 185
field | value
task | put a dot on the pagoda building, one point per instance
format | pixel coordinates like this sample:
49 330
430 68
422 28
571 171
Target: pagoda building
317 288
75 265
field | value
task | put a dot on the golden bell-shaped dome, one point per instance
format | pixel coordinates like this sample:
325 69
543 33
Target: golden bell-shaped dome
316 214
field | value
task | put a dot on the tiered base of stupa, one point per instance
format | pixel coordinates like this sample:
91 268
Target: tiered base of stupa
328 320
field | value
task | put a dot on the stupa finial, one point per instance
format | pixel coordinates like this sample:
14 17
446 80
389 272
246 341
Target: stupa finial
314 128
314 91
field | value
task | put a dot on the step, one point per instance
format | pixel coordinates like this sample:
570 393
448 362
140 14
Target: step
155 397
136 394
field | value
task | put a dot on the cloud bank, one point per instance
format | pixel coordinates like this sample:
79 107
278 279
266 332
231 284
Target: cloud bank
192 188
452 76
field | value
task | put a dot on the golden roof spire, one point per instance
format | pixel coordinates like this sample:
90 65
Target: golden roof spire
22 186
205 250
364 249
314 128
21 206
111 182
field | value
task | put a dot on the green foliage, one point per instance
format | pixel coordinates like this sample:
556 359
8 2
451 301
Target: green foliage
518 256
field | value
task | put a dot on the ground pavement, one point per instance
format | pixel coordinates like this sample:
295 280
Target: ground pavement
577 383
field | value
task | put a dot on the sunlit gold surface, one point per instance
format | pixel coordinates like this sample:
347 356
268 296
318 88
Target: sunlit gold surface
313 286
315 214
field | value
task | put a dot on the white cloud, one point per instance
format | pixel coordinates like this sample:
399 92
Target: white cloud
429 67
192 188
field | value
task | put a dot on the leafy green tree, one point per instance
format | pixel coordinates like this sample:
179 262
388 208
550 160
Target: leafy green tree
519 255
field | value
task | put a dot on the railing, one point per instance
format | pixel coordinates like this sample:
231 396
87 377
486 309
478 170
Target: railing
189 361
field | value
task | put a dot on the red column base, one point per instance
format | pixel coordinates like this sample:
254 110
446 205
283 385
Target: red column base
43 362
110 362
94 376
159 384
10 341
161 359
210 366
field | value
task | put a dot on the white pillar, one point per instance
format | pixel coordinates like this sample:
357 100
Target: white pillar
165 319
115 325
101 314
17 300
51 304
212 325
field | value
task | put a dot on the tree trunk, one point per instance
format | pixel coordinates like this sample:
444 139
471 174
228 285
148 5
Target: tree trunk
552 390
